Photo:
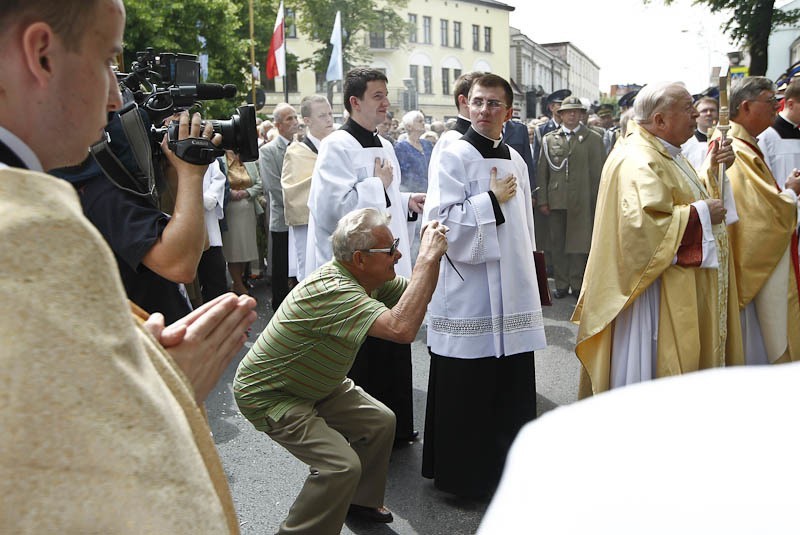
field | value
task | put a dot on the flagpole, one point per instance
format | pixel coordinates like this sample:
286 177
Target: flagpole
285 59
253 54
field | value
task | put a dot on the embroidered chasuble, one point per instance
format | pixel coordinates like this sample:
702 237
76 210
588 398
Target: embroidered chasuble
101 433
643 234
763 250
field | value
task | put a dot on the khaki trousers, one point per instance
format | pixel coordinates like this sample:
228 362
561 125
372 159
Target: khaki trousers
346 440
568 268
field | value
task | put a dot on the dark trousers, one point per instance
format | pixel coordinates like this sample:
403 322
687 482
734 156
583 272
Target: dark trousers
280 267
211 272
383 369
475 409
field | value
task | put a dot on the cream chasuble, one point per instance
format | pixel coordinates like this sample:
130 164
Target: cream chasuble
101 433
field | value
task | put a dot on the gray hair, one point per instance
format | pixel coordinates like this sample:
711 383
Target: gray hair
354 232
280 110
747 89
408 118
654 98
307 102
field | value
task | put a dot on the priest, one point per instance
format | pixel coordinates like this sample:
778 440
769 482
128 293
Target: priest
358 169
764 241
780 143
658 299
485 318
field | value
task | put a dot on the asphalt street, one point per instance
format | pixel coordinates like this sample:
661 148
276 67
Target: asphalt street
264 478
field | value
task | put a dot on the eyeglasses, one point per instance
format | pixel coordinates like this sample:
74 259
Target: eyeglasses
388 250
772 100
478 103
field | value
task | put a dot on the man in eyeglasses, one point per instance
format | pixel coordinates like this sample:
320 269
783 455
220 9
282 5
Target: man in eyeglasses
357 168
764 240
485 319
293 383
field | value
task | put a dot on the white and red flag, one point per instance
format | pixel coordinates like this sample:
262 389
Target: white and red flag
276 57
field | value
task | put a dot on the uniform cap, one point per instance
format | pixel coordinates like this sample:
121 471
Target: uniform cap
572 103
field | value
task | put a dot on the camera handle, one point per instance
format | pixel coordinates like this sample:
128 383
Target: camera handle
194 150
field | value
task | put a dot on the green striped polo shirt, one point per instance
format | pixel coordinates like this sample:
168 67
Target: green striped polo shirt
310 343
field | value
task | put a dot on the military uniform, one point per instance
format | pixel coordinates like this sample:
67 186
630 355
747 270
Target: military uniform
569 176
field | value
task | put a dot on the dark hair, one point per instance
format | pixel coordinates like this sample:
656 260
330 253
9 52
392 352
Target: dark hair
463 83
492 80
355 83
68 18
793 90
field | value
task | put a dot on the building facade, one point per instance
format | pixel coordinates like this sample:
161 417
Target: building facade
537 71
446 39
583 75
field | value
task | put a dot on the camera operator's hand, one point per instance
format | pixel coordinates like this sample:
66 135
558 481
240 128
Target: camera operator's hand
203 342
177 252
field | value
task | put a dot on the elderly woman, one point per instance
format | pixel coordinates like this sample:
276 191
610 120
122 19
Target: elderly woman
414 154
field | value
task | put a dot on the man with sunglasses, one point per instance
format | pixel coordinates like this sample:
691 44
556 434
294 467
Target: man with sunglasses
764 240
485 319
293 383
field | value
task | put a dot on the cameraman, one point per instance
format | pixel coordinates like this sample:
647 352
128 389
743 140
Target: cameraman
154 251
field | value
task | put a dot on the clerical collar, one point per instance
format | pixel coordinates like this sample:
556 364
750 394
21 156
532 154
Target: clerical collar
364 137
785 128
18 152
700 136
489 148
312 139
462 125
671 149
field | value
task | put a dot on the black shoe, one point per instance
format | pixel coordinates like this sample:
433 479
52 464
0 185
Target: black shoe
560 293
375 514
413 437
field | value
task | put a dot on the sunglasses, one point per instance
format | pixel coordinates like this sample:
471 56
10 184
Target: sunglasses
388 250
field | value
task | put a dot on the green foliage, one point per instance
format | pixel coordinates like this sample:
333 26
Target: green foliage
316 20
750 24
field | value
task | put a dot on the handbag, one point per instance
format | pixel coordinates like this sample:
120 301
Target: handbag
541 278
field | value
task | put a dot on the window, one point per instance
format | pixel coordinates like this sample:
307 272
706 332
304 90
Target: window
456 34
291 27
268 84
428 80
291 79
456 74
426 30
413 73
445 81
476 37
487 39
412 31
445 31
377 38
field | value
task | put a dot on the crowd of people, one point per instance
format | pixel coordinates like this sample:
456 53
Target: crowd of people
675 231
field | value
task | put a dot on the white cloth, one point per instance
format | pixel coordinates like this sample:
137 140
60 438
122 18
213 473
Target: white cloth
298 236
344 181
634 348
695 151
432 197
684 454
22 150
781 155
213 202
496 309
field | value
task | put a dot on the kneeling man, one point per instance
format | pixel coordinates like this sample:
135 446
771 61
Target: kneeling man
293 383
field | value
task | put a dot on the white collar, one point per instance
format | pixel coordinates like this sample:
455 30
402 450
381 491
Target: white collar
495 142
286 141
313 140
22 150
671 149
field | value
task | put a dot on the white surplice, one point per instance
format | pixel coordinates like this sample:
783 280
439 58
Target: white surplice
495 310
344 180
781 155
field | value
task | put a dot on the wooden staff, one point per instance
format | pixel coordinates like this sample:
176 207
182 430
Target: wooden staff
723 128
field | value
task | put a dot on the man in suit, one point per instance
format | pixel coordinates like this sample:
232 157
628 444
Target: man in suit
129 450
271 164
515 135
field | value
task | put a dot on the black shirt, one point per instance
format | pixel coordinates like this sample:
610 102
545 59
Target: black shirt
488 150
131 226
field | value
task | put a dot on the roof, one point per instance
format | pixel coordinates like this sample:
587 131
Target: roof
490 3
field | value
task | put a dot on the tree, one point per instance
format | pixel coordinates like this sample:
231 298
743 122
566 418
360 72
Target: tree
210 27
359 17
751 24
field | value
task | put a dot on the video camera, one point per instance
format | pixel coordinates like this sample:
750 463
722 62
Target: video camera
165 83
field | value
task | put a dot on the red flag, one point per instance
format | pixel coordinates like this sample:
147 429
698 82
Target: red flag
276 57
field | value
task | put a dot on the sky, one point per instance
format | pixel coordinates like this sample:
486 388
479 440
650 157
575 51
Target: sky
632 42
